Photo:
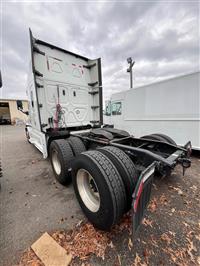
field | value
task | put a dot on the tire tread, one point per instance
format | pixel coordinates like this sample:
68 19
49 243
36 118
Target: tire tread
77 145
113 180
67 156
127 169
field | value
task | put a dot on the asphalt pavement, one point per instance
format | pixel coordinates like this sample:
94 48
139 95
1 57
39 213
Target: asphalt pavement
32 202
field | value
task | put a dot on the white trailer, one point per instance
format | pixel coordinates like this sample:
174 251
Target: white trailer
110 170
171 106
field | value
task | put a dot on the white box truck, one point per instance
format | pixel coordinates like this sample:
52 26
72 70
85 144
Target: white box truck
170 106
111 171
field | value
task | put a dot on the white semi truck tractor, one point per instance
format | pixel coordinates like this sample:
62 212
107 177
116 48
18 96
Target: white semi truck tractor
111 171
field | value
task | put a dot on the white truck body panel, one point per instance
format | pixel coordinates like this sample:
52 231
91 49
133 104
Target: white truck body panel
38 139
64 92
63 80
171 107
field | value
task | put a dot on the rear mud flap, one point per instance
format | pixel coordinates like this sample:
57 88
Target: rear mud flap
141 195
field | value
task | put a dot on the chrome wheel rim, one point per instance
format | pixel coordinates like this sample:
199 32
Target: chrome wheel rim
56 162
88 190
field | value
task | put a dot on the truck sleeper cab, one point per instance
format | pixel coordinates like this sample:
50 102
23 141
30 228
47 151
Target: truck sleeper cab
111 171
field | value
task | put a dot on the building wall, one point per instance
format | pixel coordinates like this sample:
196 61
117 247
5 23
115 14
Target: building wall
15 114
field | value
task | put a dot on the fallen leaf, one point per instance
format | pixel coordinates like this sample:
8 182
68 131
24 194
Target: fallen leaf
182 213
61 236
147 222
190 234
125 224
173 210
130 244
194 187
146 254
191 245
185 224
163 199
35 263
119 259
29 258
172 233
152 205
84 258
84 241
137 260
197 237
166 238
111 244
180 192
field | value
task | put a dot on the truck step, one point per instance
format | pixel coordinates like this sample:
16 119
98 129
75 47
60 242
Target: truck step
93 92
94 106
94 121
92 84
37 50
37 73
39 85
89 66
44 125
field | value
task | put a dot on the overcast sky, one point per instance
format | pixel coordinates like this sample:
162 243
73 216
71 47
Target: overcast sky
162 37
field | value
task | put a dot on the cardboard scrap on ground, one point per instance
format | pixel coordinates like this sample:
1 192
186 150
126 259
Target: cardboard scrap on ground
50 252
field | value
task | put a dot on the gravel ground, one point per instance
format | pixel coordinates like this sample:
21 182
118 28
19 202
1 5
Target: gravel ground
31 202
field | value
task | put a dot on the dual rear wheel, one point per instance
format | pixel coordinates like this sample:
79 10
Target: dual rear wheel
62 153
103 179
99 189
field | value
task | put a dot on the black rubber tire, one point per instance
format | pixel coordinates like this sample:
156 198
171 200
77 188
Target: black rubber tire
166 138
77 145
125 168
1 172
110 186
65 156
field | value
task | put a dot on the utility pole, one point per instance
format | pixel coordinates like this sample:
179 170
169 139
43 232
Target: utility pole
130 70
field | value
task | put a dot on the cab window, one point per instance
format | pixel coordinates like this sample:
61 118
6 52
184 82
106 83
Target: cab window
116 108
108 108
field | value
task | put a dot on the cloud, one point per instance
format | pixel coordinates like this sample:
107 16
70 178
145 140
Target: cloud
162 37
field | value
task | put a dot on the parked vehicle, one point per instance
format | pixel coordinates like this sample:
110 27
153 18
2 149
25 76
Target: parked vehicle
1 174
111 171
0 80
5 119
169 106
